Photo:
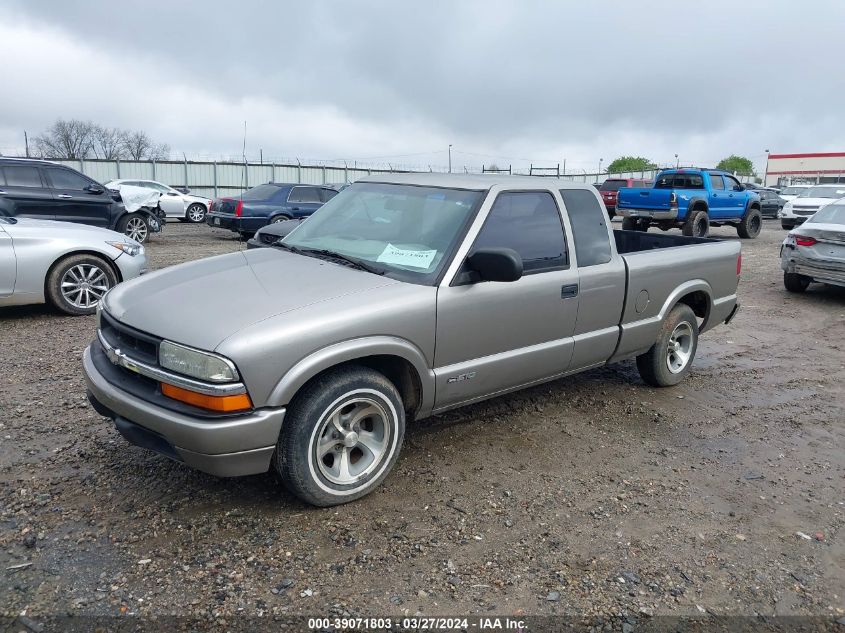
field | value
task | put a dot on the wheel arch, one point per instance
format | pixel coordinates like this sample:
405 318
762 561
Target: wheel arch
697 294
91 252
402 362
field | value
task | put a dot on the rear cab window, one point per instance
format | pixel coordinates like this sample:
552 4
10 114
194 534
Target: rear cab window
589 226
261 192
529 223
679 180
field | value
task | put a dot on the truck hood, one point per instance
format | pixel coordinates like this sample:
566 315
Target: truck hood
201 303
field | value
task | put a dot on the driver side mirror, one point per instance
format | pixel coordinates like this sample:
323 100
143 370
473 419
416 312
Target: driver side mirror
496 264
92 188
739 188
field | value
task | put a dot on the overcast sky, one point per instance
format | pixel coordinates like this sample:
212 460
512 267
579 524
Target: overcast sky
504 82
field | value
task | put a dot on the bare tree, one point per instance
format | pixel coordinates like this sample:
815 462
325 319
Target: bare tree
66 139
139 146
109 143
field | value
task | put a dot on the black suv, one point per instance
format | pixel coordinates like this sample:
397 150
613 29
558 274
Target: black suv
40 189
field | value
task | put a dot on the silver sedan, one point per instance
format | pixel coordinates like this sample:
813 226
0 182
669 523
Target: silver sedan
815 251
69 266
174 203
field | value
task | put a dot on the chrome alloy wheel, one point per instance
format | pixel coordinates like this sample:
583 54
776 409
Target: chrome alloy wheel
196 213
137 229
679 350
84 285
353 439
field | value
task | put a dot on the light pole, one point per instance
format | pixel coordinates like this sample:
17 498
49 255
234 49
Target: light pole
600 161
766 173
450 158
677 162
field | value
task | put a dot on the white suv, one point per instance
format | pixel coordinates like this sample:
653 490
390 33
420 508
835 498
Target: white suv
173 202
808 202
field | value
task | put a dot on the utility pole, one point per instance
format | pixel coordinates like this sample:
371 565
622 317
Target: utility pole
677 162
26 143
450 158
600 162
766 174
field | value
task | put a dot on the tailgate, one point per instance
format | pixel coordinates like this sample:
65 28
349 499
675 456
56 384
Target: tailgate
650 199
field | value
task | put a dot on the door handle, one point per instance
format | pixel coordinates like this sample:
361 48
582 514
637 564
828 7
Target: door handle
294 208
569 291
64 196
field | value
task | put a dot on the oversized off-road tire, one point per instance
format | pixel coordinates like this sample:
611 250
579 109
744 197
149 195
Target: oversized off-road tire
795 282
750 225
668 361
195 213
697 224
135 226
341 436
75 284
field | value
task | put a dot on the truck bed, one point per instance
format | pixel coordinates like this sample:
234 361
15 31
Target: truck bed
661 269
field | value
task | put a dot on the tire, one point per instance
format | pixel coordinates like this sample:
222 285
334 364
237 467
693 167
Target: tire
134 225
279 218
750 225
794 282
339 396
195 213
697 224
76 283
660 367
786 226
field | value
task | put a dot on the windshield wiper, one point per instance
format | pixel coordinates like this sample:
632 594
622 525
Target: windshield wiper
293 249
352 261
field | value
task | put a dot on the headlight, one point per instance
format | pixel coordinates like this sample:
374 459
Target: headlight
130 248
196 364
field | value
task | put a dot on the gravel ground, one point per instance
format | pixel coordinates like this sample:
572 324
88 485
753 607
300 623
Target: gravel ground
594 495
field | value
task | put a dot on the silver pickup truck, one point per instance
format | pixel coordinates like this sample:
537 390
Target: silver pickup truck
402 297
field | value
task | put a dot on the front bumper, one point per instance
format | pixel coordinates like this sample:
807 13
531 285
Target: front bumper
224 446
131 267
648 213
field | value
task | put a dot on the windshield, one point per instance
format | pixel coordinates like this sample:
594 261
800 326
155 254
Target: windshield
831 214
823 192
613 185
261 192
406 230
792 191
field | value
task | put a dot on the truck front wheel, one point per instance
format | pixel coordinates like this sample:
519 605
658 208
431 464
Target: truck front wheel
341 436
669 360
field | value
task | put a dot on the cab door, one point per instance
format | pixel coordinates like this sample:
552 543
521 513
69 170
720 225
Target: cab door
736 198
497 336
24 193
8 265
718 202
78 198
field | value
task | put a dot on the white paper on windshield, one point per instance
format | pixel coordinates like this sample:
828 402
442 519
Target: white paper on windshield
404 257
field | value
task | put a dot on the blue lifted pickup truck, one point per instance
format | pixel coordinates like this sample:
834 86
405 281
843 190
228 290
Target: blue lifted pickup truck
692 200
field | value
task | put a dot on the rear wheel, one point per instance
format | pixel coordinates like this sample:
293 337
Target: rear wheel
76 284
750 225
341 436
669 360
279 218
195 213
795 282
697 224
134 225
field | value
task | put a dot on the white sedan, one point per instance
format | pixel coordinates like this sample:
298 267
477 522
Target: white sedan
173 202
69 266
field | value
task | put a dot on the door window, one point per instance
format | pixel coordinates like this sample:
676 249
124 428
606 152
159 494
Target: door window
716 182
22 176
327 194
67 179
304 194
529 223
732 183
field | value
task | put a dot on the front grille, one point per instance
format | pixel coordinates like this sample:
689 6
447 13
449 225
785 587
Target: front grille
138 345
805 210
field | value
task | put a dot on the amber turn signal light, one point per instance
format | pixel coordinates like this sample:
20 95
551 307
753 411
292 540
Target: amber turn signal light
223 404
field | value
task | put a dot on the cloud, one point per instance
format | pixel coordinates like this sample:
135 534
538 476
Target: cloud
501 81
